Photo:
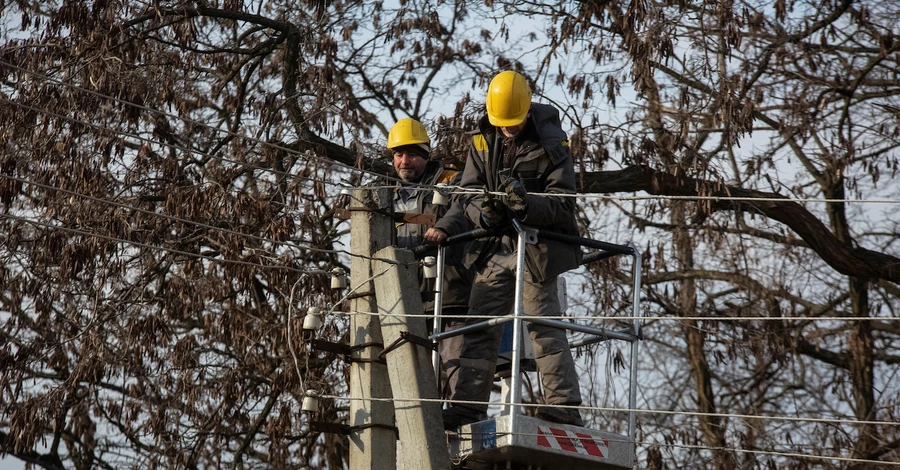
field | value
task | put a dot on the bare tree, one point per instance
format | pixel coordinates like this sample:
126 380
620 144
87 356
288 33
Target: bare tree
170 173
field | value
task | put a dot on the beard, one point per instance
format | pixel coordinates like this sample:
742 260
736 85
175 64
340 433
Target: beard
408 175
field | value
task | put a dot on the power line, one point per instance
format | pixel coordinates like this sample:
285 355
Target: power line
626 410
192 121
770 452
462 190
175 146
459 189
773 453
155 247
186 253
628 318
171 217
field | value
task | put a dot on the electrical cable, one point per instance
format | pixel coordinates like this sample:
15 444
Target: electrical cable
171 217
193 121
154 247
167 144
459 189
628 410
631 318
773 453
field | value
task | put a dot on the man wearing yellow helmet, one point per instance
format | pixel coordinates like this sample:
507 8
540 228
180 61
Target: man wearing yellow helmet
520 150
410 147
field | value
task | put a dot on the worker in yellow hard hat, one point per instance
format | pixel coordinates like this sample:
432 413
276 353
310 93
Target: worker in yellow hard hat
410 146
520 150
419 174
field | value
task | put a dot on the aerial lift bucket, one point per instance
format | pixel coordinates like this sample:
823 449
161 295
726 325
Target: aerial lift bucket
515 440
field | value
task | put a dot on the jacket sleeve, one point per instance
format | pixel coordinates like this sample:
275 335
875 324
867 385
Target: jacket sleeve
464 209
552 210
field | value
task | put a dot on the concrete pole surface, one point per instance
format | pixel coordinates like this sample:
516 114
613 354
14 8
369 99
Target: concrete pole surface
409 365
372 448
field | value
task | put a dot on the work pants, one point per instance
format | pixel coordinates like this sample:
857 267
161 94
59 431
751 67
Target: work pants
470 359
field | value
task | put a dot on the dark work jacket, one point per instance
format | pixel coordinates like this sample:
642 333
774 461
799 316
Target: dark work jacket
457 278
543 166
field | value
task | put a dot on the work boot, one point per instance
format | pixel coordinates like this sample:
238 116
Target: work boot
560 415
457 416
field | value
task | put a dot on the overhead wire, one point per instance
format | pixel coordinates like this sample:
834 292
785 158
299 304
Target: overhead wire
580 196
197 123
627 410
192 222
167 144
644 443
154 247
771 453
170 217
458 189
631 318
322 250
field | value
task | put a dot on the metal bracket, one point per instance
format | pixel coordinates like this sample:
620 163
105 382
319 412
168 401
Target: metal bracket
407 337
328 346
531 235
343 429
360 295
346 350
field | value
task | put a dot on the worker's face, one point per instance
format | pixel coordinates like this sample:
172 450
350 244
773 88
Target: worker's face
513 131
409 163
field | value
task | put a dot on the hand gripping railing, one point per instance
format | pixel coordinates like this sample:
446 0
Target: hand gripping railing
529 235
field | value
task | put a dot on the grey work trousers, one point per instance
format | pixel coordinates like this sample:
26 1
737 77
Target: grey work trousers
470 360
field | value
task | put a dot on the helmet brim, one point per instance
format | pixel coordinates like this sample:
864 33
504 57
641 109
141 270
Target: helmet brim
510 122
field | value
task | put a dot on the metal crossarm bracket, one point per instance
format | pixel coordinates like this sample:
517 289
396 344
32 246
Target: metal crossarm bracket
345 350
407 337
343 429
328 346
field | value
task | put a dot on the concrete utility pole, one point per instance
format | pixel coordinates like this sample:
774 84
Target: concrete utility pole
371 448
423 444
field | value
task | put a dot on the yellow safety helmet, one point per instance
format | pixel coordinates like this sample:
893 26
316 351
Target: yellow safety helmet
408 131
508 99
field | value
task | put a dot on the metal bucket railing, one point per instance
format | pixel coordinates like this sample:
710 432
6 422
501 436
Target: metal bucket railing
529 235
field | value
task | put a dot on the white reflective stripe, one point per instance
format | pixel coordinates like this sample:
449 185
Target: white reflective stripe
579 447
551 439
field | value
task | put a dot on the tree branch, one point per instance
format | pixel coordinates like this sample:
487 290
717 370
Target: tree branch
850 261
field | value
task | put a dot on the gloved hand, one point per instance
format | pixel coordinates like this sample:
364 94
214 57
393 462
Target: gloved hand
516 196
492 211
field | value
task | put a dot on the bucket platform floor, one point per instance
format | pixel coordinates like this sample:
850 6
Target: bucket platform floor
537 444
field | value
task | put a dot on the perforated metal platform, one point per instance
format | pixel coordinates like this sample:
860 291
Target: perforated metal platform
538 444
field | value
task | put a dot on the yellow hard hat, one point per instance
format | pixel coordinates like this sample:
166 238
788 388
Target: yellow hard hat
408 131
508 99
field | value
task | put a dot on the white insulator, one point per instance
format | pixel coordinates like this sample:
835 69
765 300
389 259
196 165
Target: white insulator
430 263
439 198
313 320
338 278
345 192
310 401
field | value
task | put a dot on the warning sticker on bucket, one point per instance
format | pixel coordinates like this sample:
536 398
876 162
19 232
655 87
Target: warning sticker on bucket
569 441
489 435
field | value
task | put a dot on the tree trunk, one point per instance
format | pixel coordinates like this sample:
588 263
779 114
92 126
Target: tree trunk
860 343
711 426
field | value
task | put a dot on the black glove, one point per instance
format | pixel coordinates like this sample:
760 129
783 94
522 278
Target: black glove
516 196
492 211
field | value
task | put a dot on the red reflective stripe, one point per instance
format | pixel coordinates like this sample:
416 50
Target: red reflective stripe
563 439
590 445
542 439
